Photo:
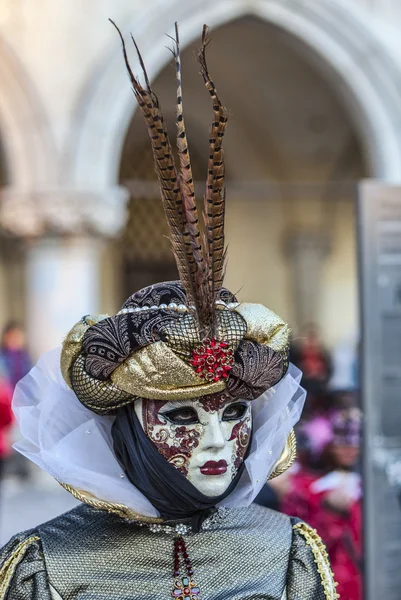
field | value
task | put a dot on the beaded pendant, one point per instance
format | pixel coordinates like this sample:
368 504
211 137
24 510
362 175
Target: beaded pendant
185 587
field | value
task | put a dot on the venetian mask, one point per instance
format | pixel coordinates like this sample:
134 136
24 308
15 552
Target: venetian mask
205 439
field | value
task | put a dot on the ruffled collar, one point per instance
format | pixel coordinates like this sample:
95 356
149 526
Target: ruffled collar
74 445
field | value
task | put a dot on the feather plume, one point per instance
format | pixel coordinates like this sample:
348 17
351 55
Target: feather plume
214 209
201 274
165 169
200 260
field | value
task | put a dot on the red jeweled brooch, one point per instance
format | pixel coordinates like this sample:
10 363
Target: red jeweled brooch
213 360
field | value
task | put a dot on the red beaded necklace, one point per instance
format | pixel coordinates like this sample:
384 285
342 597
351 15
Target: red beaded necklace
185 587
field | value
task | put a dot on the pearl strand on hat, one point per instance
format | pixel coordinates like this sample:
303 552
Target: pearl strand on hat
182 308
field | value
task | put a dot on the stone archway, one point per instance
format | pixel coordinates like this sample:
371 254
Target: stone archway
370 89
28 146
27 159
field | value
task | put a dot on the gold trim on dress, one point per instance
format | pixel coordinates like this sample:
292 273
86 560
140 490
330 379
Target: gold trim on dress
8 568
313 540
287 457
118 509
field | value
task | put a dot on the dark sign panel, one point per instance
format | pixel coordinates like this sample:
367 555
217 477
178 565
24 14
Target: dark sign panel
380 269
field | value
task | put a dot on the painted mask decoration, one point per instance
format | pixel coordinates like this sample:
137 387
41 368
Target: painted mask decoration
206 439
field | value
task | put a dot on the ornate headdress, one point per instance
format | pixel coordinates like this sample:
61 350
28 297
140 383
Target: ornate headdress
189 338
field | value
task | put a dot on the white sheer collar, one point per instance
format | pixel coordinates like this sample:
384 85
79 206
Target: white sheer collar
75 446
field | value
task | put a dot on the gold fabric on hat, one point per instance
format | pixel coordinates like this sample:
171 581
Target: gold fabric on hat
72 344
101 396
231 327
156 372
264 326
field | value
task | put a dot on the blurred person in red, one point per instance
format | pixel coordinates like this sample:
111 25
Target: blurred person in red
6 418
15 363
14 356
330 499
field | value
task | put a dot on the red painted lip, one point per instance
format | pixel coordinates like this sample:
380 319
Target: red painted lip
214 468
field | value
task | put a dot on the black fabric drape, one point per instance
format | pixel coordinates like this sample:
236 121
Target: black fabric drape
164 486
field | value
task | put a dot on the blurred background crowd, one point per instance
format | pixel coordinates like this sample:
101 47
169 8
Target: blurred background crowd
314 92
324 486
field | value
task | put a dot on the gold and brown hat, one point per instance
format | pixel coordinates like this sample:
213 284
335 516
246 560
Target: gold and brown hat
181 339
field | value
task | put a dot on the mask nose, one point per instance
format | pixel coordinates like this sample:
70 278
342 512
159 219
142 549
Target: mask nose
214 437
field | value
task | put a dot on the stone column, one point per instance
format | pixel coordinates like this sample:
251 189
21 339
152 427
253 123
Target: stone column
308 251
62 286
12 280
64 232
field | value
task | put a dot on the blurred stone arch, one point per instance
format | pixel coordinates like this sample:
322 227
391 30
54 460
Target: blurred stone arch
27 145
27 158
367 92
370 89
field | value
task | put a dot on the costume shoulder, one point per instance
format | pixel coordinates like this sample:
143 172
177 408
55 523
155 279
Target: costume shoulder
22 569
24 574
309 571
30 562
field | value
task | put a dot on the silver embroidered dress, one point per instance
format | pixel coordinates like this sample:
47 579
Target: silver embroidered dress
89 554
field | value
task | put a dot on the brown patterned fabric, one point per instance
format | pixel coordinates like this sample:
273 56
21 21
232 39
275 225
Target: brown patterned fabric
108 343
256 369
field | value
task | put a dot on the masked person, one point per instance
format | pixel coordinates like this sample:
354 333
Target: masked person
165 420
14 356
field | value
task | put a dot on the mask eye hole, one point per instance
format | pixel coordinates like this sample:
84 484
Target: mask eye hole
235 412
182 416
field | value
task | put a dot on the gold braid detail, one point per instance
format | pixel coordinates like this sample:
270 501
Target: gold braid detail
8 568
318 548
287 457
118 509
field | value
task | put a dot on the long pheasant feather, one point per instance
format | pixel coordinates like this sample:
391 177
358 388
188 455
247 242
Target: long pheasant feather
165 169
201 275
215 192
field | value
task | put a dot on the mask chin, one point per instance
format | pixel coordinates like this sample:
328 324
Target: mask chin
212 486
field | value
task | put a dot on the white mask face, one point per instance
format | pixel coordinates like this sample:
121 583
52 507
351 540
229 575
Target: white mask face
205 439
